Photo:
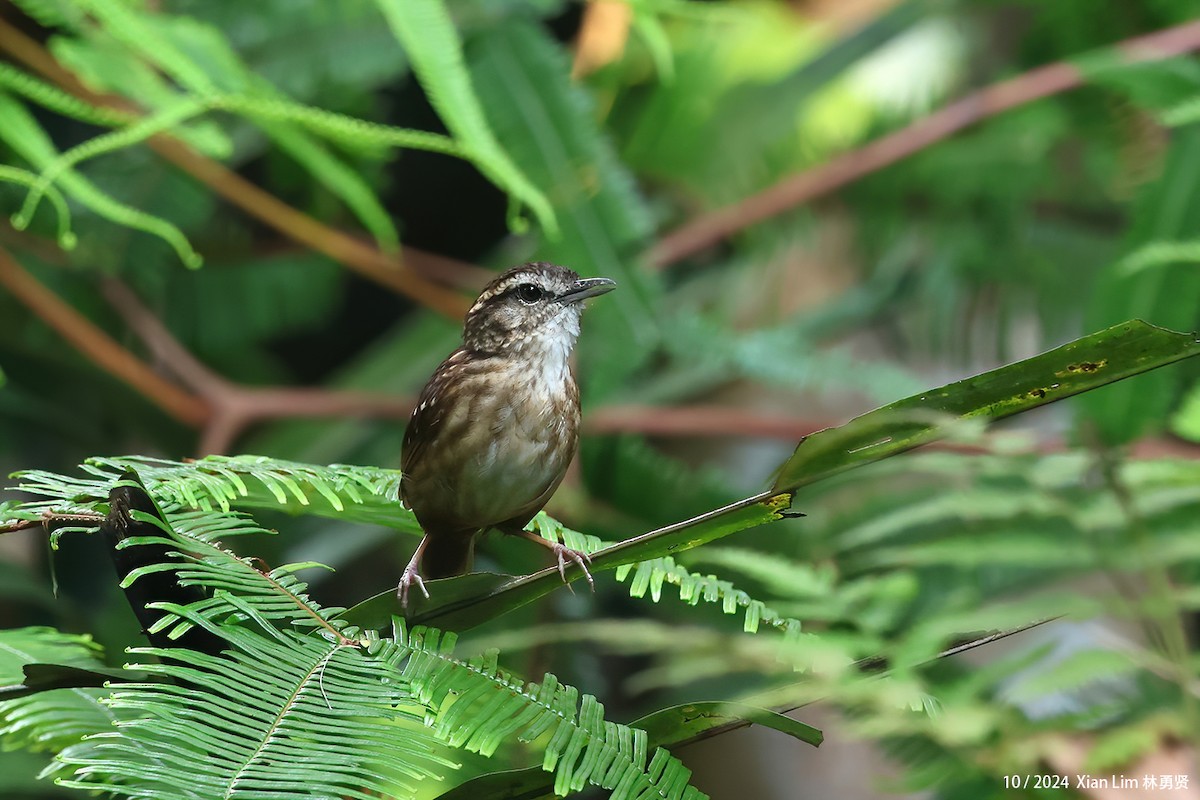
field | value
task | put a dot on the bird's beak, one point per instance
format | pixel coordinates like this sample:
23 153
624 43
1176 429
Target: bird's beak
584 288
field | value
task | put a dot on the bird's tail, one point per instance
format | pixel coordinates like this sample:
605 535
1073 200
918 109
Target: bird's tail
448 554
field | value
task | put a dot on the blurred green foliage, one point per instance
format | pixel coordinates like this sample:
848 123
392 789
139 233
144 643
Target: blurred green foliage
458 128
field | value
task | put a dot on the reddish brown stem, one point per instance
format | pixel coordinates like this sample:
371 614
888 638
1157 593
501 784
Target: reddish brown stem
235 407
712 227
47 519
699 421
98 346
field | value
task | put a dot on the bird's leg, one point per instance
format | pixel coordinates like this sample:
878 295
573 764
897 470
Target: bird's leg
412 574
562 553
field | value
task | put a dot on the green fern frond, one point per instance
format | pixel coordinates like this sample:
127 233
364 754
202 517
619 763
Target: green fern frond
650 576
66 238
339 178
1073 673
783 577
241 591
220 480
326 169
22 132
365 494
131 30
159 47
336 127
366 709
54 99
478 706
105 64
548 527
51 13
287 715
782 355
130 135
361 494
946 509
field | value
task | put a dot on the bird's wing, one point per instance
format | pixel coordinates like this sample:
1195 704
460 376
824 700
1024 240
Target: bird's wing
427 418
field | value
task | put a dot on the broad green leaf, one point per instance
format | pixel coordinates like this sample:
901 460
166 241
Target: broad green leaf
431 42
1096 360
1159 254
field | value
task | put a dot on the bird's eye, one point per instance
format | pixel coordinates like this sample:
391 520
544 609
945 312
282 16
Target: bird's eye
529 293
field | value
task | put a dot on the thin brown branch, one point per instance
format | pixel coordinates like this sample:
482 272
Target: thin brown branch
235 407
352 253
48 519
446 270
712 227
96 345
164 347
238 407
699 421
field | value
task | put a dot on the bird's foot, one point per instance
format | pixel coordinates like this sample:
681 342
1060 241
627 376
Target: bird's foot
407 579
412 574
564 553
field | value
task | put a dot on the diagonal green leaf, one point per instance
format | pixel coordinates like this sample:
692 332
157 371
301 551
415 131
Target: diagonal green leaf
1095 360
455 610
1101 358
690 721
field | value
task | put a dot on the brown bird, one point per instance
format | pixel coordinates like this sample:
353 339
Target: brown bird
496 426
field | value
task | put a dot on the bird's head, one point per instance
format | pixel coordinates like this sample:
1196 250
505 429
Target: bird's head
534 307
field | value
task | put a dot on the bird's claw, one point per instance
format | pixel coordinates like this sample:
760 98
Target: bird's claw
562 552
407 579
